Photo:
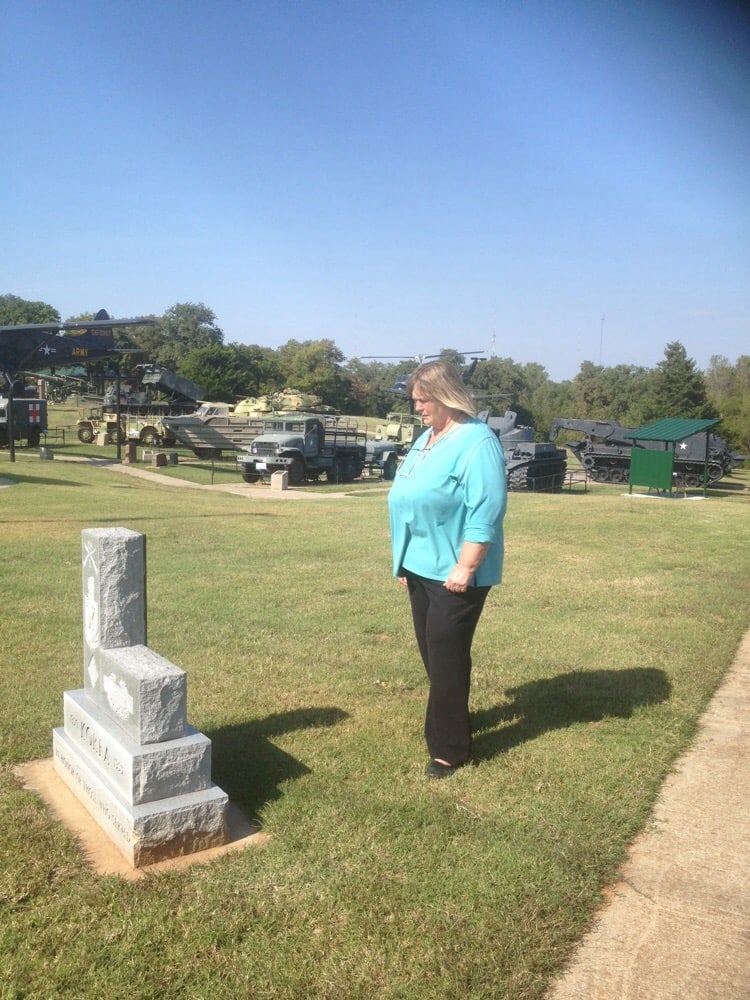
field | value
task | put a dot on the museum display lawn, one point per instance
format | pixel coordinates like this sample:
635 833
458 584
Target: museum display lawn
617 619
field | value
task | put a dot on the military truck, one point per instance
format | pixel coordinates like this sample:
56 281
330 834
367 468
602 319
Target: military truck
29 421
306 447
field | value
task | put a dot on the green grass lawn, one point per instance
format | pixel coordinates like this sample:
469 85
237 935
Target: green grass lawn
616 621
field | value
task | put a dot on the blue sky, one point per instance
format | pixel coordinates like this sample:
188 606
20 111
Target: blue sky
548 181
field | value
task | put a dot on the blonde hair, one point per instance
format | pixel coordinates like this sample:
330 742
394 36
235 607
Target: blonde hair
441 383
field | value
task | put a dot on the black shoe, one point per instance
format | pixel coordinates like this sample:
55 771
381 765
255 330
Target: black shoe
437 770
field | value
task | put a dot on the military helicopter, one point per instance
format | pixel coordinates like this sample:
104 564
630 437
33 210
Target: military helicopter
400 382
36 345
402 429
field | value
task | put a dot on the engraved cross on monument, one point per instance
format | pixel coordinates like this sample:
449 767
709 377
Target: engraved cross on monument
125 748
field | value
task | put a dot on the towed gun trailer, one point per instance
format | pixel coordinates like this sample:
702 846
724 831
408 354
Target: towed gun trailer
307 447
606 449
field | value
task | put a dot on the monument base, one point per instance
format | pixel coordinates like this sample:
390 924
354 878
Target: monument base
151 832
99 853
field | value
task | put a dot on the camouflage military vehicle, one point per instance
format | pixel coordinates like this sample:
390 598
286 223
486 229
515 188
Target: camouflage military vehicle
401 430
143 422
283 403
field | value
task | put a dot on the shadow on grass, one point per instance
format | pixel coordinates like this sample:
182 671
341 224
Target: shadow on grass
558 702
17 478
140 518
250 768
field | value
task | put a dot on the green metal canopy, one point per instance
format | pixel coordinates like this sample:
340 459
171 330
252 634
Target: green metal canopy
672 429
655 469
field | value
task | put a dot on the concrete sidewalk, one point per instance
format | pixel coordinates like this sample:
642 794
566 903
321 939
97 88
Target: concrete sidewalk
678 922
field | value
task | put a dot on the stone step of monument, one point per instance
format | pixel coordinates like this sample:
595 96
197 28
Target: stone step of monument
141 691
150 832
138 772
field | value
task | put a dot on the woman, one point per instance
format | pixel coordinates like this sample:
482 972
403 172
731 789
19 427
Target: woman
446 509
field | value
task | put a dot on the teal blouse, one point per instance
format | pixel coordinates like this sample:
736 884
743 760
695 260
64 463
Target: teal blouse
447 494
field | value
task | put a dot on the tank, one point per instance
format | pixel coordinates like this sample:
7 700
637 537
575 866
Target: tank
536 466
605 452
287 402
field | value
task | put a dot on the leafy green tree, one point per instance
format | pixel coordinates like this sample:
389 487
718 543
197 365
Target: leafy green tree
369 382
677 388
627 389
316 366
535 377
15 311
721 377
148 339
728 388
548 401
503 379
231 372
591 394
452 356
183 328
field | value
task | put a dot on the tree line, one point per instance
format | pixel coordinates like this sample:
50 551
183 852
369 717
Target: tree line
187 340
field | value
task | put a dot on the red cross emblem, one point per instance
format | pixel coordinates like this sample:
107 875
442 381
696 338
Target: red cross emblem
35 413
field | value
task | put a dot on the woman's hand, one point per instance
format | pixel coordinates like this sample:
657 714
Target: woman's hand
469 561
459 579
401 580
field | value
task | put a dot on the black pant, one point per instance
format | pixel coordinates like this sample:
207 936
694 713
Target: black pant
444 623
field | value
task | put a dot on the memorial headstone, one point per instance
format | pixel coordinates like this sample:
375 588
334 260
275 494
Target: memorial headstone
125 748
